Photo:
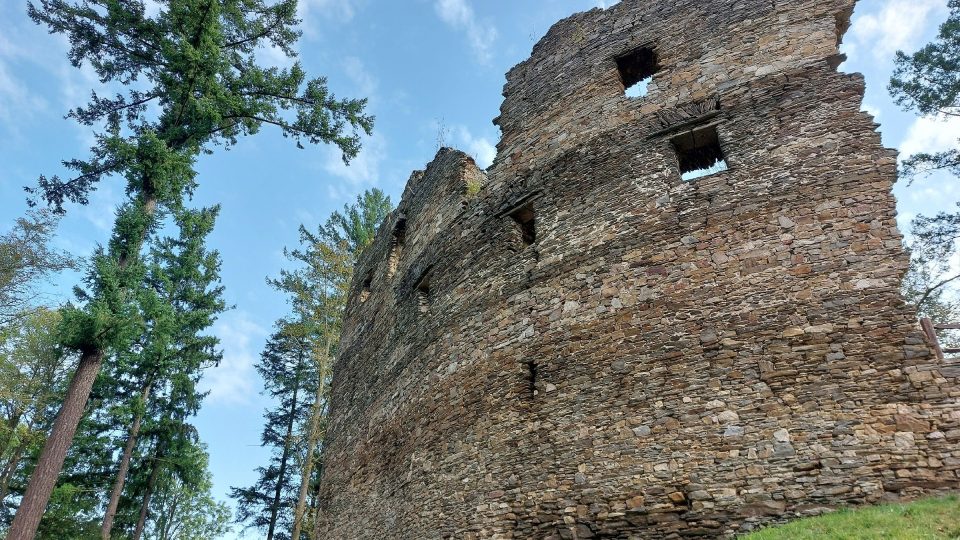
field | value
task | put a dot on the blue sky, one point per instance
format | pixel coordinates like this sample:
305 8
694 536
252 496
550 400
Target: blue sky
434 71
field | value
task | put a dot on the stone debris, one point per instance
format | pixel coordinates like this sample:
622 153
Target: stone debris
579 343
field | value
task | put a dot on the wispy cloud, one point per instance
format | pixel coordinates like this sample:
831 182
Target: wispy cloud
309 10
459 15
482 150
365 84
931 134
17 102
891 26
232 382
363 169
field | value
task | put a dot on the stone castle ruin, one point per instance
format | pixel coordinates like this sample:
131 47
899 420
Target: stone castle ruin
653 317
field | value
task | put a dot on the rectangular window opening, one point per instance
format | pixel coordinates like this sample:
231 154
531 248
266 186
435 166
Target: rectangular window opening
397 239
423 291
366 287
525 220
699 153
637 69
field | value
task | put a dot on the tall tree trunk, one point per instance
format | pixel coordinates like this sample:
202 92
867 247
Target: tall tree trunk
148 492
123 469
315 414
308 465
275 507
44 477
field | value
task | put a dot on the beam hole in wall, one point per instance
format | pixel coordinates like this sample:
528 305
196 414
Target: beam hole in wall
637 69
699 153
423 291
366 287
525 220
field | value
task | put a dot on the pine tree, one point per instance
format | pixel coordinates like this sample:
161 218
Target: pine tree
928 82
183 299
318 291
194 62
288 375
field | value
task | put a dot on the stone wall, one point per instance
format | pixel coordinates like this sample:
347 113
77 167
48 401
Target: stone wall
646 357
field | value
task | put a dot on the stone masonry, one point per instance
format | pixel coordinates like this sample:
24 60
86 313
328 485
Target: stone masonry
578 343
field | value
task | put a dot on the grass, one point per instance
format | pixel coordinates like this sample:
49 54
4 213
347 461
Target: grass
929 519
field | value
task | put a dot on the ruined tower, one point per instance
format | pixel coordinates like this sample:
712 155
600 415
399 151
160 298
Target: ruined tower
673 313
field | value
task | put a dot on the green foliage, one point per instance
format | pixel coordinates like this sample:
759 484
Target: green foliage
33 373
288 378
195 60
186 510
357 224
297 359
26 259
190 82
70 516
928 82
930 519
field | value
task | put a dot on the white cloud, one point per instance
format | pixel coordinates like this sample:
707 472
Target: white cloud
896 25
363 81
102 208
459 15
930 134
363 169
17 101
875 112
308 10
232 382
482 150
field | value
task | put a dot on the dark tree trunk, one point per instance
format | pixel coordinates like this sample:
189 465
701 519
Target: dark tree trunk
275 508
122 471
148 492
44 477
10 469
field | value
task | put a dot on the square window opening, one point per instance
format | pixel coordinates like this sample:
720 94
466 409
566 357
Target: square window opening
525 220
423 291
637 69
699 153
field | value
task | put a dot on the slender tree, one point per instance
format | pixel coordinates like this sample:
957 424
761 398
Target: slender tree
198 86
317 291
184 300
286 369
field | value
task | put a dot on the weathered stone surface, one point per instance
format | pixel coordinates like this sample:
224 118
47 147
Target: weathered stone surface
579 344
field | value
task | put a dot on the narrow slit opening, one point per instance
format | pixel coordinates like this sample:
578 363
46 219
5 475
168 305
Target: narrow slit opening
531 378
637 69
699 153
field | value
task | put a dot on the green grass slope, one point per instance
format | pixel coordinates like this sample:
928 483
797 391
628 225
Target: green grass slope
930 519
